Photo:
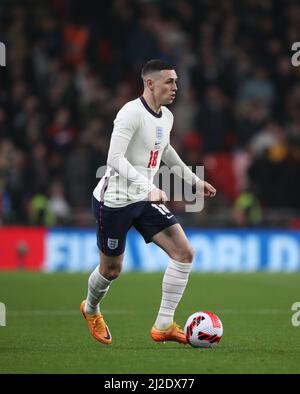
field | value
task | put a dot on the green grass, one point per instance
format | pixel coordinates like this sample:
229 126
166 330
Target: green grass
45 332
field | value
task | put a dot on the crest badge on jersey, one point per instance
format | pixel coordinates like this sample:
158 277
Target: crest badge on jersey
159 133
112 243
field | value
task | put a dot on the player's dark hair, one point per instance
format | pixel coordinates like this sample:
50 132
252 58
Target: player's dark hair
155 65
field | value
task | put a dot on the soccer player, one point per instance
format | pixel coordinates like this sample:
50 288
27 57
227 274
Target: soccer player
126 196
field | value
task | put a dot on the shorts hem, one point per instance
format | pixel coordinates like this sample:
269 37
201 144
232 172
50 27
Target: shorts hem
148 239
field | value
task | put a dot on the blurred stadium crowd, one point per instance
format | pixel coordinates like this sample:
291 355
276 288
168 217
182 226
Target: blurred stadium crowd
72 64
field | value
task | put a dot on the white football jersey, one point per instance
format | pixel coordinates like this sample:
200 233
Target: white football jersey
147 135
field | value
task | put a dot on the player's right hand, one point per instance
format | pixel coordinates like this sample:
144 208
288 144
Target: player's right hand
157 195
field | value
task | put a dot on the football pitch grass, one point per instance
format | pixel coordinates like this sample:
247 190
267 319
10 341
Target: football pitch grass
45 332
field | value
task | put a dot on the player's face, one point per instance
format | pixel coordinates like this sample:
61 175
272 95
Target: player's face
165 87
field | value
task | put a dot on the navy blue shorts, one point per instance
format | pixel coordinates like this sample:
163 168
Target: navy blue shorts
113 223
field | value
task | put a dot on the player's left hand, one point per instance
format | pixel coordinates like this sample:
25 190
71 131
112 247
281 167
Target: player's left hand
205 189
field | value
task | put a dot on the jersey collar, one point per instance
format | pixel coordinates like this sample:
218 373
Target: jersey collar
149 109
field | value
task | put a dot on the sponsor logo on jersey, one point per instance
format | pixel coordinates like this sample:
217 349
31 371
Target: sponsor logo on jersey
159 133
112 243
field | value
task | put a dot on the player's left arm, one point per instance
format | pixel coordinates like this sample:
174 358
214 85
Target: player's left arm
171 158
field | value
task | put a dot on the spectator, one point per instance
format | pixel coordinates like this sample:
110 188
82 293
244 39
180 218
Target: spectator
58 205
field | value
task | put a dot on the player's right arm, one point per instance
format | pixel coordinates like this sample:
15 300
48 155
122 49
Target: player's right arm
125 125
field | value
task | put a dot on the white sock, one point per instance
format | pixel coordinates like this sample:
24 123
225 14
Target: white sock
97 288
174 283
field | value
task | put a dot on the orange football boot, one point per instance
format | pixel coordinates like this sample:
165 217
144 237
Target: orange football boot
97 325
172 333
